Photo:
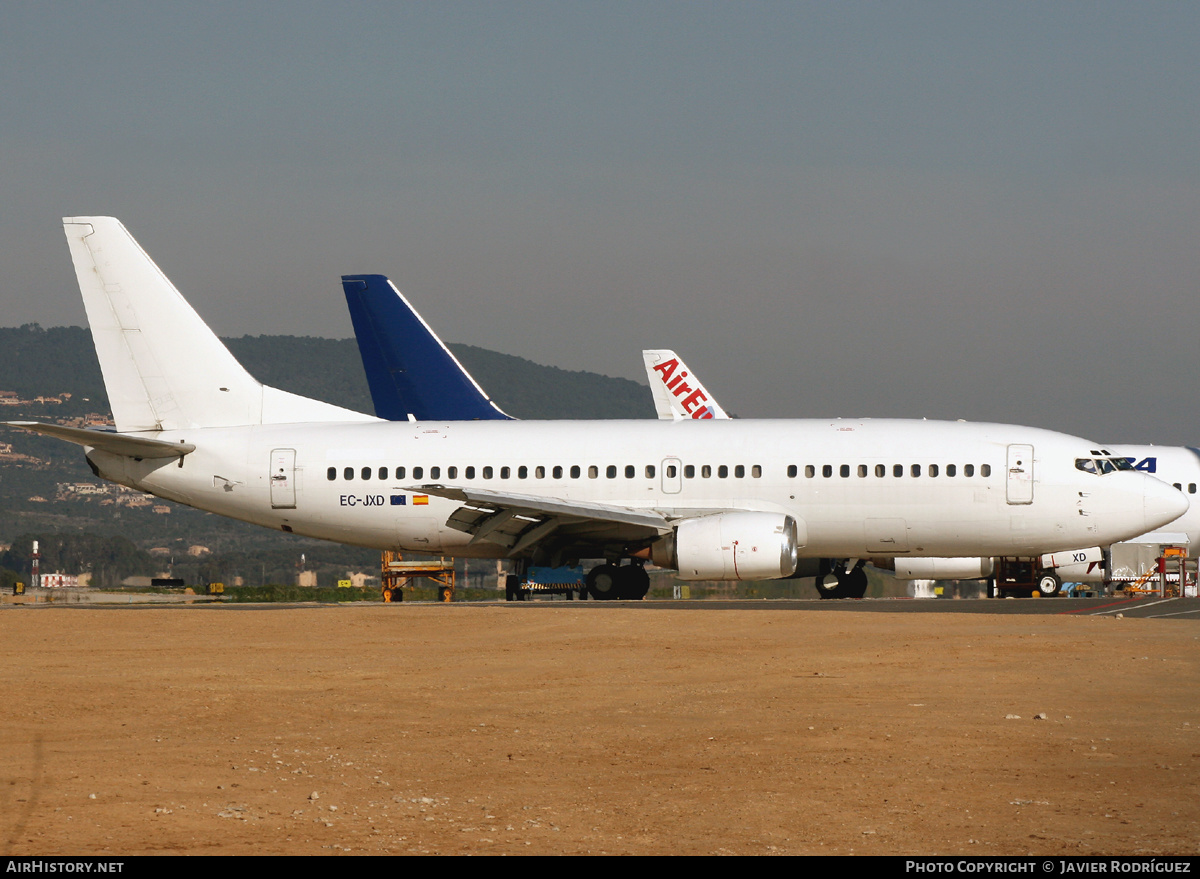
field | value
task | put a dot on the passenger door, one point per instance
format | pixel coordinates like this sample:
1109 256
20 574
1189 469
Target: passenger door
1020 474
283 479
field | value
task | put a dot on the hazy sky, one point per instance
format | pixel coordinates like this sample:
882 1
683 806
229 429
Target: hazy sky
953 210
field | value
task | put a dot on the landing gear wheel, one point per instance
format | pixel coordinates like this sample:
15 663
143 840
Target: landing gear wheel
828 586
602 583
840 583
854 584
1048 585
632 583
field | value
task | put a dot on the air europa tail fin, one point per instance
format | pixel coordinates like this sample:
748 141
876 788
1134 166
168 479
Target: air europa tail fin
412 375
164 369
678 394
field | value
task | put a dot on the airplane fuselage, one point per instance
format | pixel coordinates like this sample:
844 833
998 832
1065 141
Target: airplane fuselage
857 488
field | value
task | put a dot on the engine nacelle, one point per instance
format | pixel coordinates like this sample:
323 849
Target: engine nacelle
731 546
943 569
1076 557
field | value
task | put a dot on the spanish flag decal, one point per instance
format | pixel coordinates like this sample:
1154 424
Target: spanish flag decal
419 499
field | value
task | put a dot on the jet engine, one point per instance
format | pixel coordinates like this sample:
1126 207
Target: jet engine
731 546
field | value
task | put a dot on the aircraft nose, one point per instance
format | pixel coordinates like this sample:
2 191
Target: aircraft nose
1162 503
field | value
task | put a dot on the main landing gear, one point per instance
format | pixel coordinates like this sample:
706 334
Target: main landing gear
609 582
840 582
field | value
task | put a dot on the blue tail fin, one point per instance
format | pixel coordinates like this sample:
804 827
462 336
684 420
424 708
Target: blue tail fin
411 374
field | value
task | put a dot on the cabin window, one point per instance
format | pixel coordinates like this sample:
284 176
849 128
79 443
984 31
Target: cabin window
418 472
826 470
985 469
950 470
348 473
844 471
539 472
756 471
916 469
629 471
862 470
740 471
611 471
809 471
880 471
1191 488
671 471
897 469
487 472
968 469
575 471
522 472
1178 486
470 473
505 472
689 471
557 471
792 471
435 472
452 473
723 471
366 473
383 473
706 471
650 471
593 472
933 469
331 474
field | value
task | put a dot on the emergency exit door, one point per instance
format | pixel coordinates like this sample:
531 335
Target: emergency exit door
672 476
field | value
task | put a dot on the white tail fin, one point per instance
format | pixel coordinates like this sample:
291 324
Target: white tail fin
678 394
164 369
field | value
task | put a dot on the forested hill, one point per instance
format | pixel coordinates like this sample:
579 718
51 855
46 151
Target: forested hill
42 362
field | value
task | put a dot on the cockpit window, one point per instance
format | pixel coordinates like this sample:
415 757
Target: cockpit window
1103 464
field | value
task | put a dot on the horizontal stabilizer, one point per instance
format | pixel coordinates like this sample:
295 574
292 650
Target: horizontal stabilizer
411 374
116 443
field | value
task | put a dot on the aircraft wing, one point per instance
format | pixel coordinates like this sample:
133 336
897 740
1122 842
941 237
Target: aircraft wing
517 521
116 443
678 394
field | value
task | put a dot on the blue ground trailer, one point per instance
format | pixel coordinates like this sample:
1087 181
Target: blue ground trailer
566 580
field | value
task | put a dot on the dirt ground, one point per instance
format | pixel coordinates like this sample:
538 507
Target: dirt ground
572 729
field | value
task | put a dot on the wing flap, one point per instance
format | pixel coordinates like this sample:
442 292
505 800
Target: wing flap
516 521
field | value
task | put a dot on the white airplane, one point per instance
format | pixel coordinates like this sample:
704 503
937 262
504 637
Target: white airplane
1177 465
713 499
